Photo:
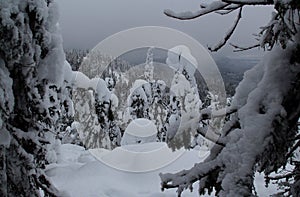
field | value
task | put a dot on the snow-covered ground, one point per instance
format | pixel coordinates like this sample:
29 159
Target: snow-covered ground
78 173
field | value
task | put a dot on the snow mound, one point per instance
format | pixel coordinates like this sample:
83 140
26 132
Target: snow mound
138 158
77 174
141 127
139 131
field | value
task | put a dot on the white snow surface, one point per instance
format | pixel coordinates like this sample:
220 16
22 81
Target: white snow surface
138 157
77 173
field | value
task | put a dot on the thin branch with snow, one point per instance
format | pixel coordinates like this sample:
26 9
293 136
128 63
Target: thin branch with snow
228 34
250 2
215 6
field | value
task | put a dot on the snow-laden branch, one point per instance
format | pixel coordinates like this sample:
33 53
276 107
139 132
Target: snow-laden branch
214 6
223 6
210 134
209 114
228 34
264 116
250 2
282 27
184 179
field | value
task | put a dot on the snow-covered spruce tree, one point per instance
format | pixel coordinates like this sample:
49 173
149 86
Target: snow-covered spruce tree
262 134
138 101
32 61
104 111
155 92
149 68
94 119
184 90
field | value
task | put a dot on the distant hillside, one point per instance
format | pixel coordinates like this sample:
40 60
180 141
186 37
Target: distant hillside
232 70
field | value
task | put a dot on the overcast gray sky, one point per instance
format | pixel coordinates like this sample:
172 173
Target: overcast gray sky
84 23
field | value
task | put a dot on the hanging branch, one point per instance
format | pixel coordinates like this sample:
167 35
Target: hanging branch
228 34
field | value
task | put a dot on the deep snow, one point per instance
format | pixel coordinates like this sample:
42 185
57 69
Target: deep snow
77 173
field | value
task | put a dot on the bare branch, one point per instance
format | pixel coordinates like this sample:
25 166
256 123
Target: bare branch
250 2
228 9
239 48
228 34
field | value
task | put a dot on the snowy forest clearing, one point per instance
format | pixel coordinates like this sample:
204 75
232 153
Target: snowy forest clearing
77 173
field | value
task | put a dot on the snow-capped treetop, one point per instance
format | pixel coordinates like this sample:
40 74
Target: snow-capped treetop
100 88
137 84
68 73
180 57
80 80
